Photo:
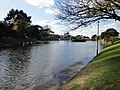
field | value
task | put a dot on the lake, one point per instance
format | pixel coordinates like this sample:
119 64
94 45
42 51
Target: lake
44 66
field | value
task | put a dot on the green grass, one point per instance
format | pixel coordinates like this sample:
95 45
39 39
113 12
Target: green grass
102 73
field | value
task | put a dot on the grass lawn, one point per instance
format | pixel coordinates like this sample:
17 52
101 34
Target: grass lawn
102 73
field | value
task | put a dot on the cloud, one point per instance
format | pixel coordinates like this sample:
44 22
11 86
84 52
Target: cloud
49 11
86 31
53 25
92 29
52 11
112 25
46 4
41 3
18 0
109 24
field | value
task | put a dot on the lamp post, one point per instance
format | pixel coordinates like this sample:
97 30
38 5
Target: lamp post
97 39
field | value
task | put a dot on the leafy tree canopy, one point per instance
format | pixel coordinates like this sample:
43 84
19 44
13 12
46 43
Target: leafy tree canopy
109 36
79 13
18 24
18 21
111 32
15 15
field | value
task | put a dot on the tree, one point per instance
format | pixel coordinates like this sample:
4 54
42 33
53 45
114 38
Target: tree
67 36
18 21
15 15
34 31
94 37
3 29
110 35
19 26
79 13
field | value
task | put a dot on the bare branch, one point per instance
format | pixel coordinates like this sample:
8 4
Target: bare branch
79 13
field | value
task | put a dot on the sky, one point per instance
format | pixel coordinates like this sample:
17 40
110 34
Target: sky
43 13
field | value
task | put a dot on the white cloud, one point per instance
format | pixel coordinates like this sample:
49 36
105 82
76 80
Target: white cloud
49 11
18 0
92 29
41 3
53 25
87 31
52 11
112 25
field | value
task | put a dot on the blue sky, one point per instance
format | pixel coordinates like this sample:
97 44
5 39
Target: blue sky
43 11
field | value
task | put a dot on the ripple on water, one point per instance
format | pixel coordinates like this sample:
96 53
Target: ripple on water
42 67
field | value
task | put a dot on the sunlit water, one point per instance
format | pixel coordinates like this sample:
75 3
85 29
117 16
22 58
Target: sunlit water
43 67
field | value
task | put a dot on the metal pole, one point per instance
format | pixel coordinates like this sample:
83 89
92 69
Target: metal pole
97 39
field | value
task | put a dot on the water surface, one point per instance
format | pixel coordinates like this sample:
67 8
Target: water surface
43 67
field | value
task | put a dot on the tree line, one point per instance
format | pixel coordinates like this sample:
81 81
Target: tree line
17 24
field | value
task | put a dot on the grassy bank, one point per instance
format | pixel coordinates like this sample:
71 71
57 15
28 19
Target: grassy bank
102 73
